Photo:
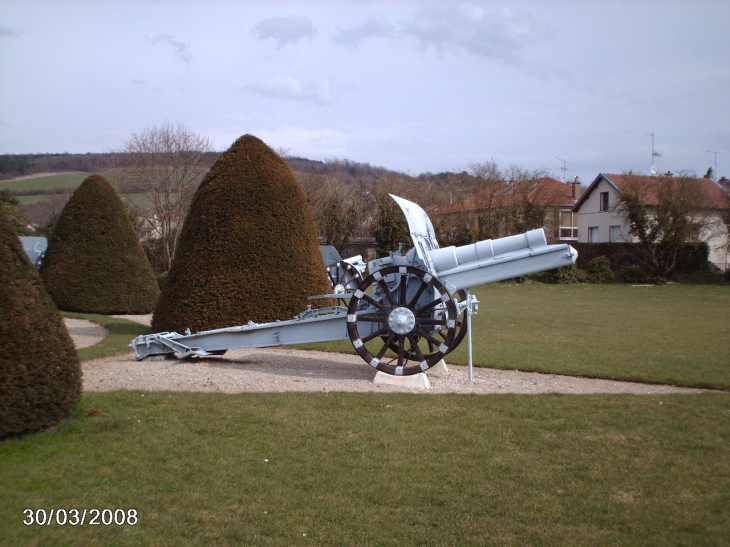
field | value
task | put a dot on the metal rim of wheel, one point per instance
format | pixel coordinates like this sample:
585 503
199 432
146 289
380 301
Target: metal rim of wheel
343 276
402 323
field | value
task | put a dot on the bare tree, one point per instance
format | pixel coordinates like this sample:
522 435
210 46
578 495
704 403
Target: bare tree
502 201
159 169
338 207
665 213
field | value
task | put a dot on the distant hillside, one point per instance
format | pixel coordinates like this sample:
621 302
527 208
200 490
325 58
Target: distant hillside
18 165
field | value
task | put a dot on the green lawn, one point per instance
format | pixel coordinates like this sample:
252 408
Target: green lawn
378 469
674 334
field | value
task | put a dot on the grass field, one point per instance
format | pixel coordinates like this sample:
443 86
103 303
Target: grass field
331 469
378 469
674 334
45 182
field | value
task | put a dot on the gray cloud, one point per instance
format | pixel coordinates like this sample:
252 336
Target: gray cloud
7 32
497 33
285 30
376 26
291 89
182 50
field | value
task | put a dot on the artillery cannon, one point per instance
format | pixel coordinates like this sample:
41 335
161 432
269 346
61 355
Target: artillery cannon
403 318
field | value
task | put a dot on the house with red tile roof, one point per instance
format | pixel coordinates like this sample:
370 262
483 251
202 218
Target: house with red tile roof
557 198
599 220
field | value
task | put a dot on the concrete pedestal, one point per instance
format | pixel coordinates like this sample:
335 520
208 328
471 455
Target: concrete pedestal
439 367
414 381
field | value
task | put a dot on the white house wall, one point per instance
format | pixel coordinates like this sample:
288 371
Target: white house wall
590 215
716 237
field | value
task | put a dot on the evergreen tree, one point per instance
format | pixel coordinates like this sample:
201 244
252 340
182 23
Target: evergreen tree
94 262
9 204
248 250
40 373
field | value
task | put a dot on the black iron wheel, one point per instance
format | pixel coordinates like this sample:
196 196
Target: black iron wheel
414 317
343 276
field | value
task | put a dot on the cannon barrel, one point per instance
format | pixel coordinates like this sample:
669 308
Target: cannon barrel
493 260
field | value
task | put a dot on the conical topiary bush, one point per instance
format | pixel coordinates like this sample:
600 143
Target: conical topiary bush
94 262
248 250
40 373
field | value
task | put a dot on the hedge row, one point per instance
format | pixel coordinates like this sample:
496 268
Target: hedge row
620 255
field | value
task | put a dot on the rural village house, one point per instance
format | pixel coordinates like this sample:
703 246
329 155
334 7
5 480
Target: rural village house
555 197
599 221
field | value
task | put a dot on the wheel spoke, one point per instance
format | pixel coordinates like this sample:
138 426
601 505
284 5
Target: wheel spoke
384 287
379 332
375 303
414 347
418 294
403 285
436 322
372 318
428 307
386 345
401 348
427 336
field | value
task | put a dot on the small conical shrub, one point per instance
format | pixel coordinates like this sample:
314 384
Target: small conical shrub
94 262
40 373
248 250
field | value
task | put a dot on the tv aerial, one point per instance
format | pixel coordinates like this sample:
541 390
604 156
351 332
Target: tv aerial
716 153
563 168
654 154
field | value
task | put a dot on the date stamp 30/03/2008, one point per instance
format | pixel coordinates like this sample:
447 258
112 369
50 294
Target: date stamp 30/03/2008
80 517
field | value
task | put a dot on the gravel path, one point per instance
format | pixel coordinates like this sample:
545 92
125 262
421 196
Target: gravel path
85 333
286 369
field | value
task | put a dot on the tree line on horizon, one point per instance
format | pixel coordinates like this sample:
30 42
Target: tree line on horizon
157 171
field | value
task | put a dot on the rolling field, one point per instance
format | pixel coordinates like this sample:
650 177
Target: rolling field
45 182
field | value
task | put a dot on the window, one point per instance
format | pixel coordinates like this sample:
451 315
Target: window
604 201
593 234
614 234
568 225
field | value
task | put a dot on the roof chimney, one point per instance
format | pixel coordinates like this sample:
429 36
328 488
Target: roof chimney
576 189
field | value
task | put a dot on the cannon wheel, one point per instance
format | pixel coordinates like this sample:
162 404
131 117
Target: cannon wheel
403 323
343 276
459 296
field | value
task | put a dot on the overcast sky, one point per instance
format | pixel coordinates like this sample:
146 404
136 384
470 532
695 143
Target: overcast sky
411 86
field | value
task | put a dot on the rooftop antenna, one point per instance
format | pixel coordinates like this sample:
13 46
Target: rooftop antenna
716 153
563 168
654 153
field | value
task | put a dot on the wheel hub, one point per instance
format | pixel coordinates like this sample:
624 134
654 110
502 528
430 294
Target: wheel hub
401 320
